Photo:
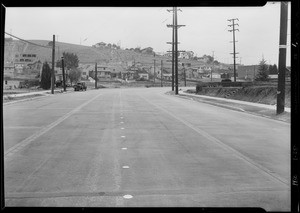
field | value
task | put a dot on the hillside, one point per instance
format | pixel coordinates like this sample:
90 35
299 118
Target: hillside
86 54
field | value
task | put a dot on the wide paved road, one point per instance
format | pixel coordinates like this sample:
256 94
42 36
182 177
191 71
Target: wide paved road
141 147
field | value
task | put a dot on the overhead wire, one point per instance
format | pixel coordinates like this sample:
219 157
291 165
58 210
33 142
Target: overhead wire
27 41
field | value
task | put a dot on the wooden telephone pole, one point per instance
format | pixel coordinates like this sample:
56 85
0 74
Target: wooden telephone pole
282 57
175 51
52 72
234 53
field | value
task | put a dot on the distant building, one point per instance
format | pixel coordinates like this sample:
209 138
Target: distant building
100 44
186 55
167 76
103 72
143 75
147 50
85 69
203 59
26 58
9 70
169 54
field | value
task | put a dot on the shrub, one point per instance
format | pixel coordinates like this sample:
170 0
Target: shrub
199 86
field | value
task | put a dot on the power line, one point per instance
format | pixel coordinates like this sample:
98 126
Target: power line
28 41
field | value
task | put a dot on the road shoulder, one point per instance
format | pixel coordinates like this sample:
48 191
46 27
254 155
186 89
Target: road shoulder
251 108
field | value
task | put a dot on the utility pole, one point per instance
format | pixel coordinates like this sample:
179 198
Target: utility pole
96 76
173 33
282 58
63 72
184 74
213 66
154 71
175 51
234 53
161 73
52 73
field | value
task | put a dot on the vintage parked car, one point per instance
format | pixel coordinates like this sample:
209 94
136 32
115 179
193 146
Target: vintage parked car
80 86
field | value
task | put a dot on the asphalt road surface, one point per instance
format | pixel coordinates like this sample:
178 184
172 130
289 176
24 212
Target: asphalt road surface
140 147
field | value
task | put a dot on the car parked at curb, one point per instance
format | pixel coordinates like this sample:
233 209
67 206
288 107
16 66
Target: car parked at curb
80 86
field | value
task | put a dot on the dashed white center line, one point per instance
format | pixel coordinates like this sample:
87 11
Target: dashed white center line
122 136
122 128
121 122
125 167
127 196
124 148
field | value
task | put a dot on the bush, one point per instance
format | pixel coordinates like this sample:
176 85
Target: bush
199 87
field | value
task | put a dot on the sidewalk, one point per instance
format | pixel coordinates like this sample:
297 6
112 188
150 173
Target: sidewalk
273 107
264 110
13 98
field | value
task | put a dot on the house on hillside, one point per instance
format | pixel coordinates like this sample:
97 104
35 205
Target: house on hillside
156 69
9 70
99 45
186 64
85 69
103 72
26 58
203 59
147 50
19 67
168 54
204 69
167 76
216 75
142 74
186 55
116 70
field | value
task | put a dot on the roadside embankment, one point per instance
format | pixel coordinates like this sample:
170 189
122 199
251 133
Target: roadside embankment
258 100
257 94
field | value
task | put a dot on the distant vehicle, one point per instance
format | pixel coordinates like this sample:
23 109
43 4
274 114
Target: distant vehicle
226 80
80 86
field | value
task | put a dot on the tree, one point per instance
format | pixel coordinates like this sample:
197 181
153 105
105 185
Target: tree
74 75
273 69
137 49
216 62
70 60
262 74
46 76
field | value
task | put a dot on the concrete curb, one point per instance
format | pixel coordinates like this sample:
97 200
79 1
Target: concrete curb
28 96
272 107
191 96
25 99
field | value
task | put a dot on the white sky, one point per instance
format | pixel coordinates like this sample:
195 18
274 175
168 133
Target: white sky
206 28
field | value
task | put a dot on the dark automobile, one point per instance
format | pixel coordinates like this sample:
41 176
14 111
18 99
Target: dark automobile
80 86
226 80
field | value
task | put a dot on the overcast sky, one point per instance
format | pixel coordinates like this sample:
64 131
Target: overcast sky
206 29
